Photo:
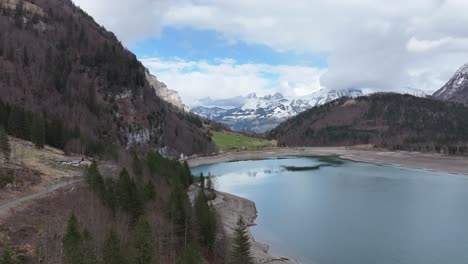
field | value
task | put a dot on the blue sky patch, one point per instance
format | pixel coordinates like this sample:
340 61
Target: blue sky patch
196 45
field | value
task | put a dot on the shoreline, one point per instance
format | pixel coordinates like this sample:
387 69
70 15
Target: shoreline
229 207
404 159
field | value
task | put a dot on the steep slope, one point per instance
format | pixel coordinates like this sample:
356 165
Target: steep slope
259 114
456 89
56 61
386 120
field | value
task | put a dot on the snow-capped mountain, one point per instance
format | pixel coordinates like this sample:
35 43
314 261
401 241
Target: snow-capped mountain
456 89
259 114
415 92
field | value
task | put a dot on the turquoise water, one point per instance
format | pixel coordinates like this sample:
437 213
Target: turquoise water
331 211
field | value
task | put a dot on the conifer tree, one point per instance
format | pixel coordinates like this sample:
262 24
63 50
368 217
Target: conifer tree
88 251
72 242
240 253
192 255
143 244
38 135
187 173
111 250
202 181
150 192
16 126
5 147
129 197
205 219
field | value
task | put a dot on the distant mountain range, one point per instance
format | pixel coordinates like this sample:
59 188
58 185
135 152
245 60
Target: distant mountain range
456 89
260 114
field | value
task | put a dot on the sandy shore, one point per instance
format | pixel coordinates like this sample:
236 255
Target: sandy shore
229 207
417 160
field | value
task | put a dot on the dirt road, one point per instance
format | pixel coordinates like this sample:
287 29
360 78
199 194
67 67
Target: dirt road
52 188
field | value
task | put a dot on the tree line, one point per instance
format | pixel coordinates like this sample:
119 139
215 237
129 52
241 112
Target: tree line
43 130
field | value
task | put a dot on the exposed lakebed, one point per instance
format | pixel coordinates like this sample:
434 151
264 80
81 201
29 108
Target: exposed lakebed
326 210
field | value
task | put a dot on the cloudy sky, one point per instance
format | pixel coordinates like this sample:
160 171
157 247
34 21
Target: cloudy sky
225 48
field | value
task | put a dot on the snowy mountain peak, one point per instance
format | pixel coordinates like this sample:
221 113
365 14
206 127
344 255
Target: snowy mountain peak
276 96
462 70
251 95
456 89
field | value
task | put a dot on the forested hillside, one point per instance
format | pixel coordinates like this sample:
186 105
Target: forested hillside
66 82
57 63
385 120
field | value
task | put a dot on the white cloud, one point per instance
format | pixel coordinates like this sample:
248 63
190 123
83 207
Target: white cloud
225 78
374 44
130 20
443 44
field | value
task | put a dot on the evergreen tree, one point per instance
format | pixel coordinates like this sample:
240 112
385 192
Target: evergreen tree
205 219
4 112
240 253
180 211
143 244
5 147
38 135
150 192
94 179
129 198
19 10
202 181
88 251
72 242
111 250
55 134
188 177
16 126
110 194
192 255
7 258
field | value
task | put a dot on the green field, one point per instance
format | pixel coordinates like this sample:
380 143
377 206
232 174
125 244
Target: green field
232 141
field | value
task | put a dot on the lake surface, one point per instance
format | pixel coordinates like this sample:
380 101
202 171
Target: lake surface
331 211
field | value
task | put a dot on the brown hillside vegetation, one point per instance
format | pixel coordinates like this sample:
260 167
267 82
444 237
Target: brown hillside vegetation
56 61
385 120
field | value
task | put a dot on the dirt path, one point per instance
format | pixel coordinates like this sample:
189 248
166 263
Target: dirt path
51 188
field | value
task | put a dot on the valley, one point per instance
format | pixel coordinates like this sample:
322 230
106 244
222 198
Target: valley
206 132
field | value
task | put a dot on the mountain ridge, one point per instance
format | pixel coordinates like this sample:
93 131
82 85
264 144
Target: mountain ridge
259 114
456 88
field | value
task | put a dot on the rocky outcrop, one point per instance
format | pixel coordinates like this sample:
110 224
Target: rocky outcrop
165 93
